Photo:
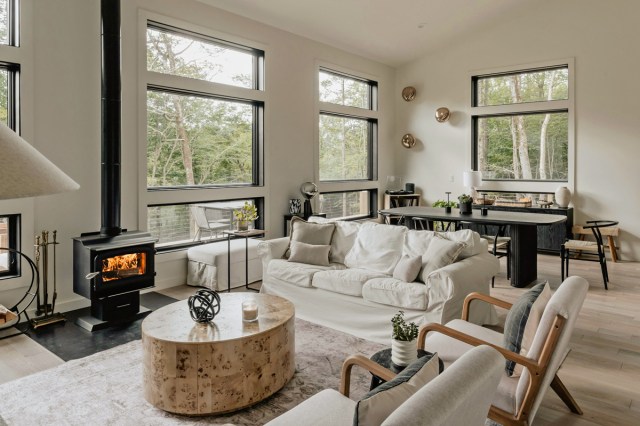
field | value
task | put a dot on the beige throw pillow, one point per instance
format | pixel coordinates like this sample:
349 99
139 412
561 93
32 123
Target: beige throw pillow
408 268
309 233
440 253
309 253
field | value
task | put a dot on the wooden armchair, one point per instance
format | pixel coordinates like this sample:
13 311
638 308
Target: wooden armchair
518 398
459 396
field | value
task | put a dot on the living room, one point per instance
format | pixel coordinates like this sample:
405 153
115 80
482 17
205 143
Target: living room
60 110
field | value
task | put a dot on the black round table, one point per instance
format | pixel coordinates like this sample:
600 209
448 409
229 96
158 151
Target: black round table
383 358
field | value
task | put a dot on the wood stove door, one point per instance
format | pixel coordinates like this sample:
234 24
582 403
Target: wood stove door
122 270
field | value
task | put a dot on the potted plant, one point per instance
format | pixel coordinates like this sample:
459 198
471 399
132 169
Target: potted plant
465 202
248 213
403 346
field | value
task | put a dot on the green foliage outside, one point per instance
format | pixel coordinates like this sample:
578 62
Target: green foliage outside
526 146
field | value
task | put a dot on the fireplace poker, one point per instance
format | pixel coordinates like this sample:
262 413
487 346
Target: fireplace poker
55 282
37 256
45 270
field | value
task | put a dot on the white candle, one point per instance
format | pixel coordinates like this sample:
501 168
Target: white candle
249 310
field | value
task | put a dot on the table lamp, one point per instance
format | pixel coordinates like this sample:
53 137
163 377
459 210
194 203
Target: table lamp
472 179
25 172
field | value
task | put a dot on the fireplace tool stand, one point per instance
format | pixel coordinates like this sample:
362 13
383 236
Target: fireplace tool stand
15 312
45 311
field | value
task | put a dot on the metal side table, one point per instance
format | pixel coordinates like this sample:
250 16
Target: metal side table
232 234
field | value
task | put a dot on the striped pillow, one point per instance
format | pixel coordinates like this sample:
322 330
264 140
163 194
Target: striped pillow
516 322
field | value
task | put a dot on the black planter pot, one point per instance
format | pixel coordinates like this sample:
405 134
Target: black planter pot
465 208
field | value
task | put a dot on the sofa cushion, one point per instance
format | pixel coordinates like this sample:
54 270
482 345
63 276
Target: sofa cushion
393 292
516 322
343 237
377 248
310 233
408 268
441 252
471 239
379 403
299 274
346 281
309 253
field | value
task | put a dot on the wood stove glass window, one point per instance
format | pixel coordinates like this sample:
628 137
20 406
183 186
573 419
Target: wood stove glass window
124 266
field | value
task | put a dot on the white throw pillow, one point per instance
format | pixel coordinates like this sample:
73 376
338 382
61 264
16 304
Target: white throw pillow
408 268
416 242
441 252
377 248
471 239
310 233
343 237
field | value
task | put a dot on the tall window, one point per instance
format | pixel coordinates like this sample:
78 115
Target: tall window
9 22
9 238
347 141
204 124
521 123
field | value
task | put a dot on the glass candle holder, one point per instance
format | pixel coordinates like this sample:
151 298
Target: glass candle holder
249 311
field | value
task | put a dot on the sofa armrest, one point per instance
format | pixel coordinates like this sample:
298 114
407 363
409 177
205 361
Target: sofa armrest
272 249
448 287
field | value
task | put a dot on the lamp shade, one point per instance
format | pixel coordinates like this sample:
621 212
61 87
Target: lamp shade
24 172
471 178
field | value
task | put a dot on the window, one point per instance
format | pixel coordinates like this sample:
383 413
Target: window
347 204
9 238
347 127
522 125
347 144
9 22
9 74
184 224
204 115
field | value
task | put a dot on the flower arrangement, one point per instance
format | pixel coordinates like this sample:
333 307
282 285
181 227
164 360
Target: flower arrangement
248 213
465 199
403 331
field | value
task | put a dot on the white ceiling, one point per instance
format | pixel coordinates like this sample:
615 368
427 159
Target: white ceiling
387 31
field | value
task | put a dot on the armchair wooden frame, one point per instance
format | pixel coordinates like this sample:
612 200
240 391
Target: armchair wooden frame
537 367
364 362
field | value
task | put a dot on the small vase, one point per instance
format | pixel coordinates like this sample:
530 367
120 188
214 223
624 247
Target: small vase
242 225
563 196
403 352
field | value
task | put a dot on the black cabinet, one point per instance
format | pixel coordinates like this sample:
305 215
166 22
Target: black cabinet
550 237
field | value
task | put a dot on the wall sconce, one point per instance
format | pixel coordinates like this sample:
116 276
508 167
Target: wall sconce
408 141
442 114
409 93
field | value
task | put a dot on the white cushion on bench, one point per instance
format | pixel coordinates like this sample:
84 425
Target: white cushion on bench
207 265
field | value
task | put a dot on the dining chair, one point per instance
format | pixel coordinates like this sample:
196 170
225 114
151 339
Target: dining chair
499 246
592 251
213 227
518 398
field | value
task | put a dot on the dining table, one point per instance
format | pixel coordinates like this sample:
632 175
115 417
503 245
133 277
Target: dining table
522 230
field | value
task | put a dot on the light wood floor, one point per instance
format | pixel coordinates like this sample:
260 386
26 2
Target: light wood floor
602 371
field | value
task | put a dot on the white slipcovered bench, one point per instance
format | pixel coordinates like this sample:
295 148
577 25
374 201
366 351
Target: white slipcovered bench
207 264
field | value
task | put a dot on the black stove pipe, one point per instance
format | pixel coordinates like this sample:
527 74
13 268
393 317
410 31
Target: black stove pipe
111 117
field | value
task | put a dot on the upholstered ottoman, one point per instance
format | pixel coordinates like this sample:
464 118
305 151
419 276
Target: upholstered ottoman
207 264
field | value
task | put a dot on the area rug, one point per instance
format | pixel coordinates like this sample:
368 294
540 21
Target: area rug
106 388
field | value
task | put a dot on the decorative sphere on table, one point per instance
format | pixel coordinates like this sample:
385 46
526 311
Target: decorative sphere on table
204 305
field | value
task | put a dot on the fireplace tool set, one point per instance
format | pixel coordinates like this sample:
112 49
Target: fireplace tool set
45 311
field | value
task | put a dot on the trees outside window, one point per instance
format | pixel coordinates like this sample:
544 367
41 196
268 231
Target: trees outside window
347 138
198 136
521 125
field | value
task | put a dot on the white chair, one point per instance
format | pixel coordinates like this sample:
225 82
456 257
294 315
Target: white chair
518 398
460 396
213 227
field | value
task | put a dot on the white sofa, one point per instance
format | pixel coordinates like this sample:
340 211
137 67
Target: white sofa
356 293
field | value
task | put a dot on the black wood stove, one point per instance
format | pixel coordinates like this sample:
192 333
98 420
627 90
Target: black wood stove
110 267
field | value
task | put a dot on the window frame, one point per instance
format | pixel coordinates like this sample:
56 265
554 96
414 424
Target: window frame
372 116
525 108
373 202
150 80
13 232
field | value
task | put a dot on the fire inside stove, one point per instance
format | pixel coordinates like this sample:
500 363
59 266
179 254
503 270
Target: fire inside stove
123 266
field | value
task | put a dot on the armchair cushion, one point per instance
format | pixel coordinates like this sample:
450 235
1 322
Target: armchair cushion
378 404
516 322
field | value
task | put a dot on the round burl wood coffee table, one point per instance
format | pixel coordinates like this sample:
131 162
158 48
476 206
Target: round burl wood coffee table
222 366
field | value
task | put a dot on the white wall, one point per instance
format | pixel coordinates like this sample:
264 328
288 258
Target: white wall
66 119
603 39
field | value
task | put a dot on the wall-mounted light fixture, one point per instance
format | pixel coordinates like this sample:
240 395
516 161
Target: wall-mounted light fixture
409 93
442 114
408 141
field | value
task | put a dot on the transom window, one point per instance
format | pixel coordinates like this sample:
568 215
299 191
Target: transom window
521 125
204 114
347 204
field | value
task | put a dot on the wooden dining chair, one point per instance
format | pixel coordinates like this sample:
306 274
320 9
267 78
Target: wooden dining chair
592 251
